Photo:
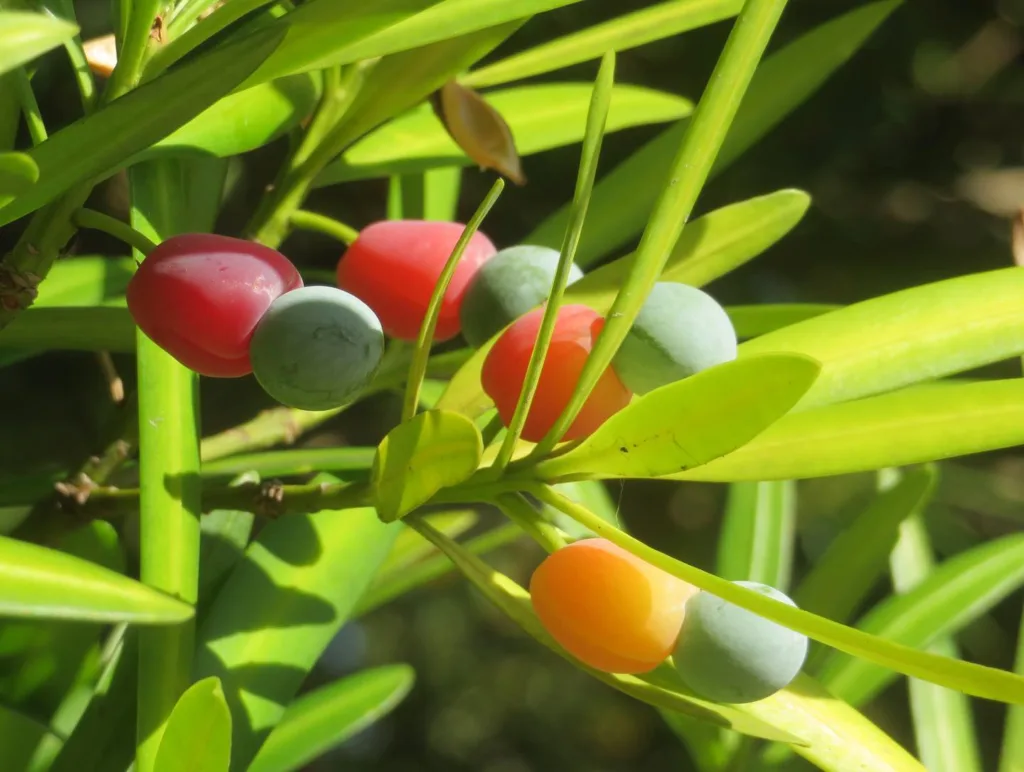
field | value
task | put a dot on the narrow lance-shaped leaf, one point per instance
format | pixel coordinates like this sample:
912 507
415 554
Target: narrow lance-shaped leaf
955 593
43 583
24 36
784 80
655 22
137 120
931 423
688 423
328 716
756 541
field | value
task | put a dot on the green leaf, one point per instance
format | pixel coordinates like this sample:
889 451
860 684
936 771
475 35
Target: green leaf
198 734
85 328
410 547
135 121
281 607
320 32
512 599
709 247
688 423
43 583
540 118
857 558
441 21
326 717
943 724
89 280
1011 759
917 334
782 81
24 36
18 173
433 450
296 461
620 34
838 738
245 120
594 496
910 426
752 321
756 542
958 591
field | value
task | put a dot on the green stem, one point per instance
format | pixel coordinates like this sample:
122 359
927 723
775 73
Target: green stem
597 116
518 510
131 55
418 368
272 220
76 55
319 223
271 427
687 175
93 220
29 106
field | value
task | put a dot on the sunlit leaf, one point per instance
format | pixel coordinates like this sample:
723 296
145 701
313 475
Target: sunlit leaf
198 733
326 717
281 607
434 450
136 120
688 423
619 34
756 540
410 547
539 117
910 426
43 583
24 36
956 592
18 173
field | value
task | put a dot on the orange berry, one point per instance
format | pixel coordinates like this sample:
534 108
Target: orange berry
607 607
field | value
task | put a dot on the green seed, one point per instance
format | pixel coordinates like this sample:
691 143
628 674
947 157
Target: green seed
505 287
679 331
316 348
728 654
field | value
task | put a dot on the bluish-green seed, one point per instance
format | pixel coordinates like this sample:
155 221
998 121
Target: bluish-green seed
505 287
679 331
728 654
316 347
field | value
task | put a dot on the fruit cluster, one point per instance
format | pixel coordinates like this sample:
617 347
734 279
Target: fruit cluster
619 614
225 307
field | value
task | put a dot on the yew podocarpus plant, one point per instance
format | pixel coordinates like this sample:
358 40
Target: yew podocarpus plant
177 655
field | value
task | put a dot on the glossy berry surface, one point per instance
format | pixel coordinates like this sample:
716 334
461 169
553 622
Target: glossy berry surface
679 331
504 372
607 607
728 654
316 348
508 285
199 297
393 266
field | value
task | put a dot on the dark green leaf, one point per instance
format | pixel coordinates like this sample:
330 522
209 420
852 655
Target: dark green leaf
326 717
688 423
418 458
95 328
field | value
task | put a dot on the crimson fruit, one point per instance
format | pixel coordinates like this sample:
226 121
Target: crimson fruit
316 348
607 607
728 654
394 265
679 331
506 287
504 372
199 297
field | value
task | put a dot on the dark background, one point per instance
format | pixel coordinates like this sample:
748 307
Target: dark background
913 156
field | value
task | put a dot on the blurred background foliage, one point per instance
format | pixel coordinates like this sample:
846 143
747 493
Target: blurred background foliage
914 156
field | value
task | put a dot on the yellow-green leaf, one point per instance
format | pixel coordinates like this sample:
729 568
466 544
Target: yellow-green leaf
198 733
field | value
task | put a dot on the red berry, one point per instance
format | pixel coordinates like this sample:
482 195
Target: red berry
607 607
394 265
199 297
504 371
